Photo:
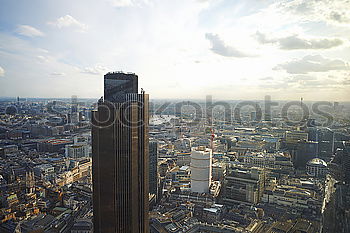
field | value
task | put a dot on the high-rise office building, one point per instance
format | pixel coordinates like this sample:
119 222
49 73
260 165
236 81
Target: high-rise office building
326 144
243 185
346 162
326 139
120 157
340 165
304 152
153 167
201 163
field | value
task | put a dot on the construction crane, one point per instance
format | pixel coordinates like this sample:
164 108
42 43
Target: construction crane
212 139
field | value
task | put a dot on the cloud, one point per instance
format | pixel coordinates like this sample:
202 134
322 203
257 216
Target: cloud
300 79
121 3
319 83
300 7
329 11
219 47
262 38
340 17
313 63
273 85
26 30
346 81
266 78
42 59
95 70
127 3
204 1
298 82
295 42
69 21
58 74
2 72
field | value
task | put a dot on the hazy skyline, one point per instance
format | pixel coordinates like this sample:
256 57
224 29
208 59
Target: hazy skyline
179 49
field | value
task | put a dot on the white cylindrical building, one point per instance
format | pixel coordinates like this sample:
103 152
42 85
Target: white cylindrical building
201 161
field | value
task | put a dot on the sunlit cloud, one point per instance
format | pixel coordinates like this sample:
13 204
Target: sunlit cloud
69 21
95 70
174 46
296 42
2 72
218 46
29 31
127 3
313 63
58 74
331 11
266 78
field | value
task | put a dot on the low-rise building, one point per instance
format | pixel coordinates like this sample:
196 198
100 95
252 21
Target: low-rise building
77 151
181 177
292 197
274 161
44 171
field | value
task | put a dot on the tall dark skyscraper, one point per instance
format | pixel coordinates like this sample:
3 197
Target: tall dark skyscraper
120 157
325 138
153 170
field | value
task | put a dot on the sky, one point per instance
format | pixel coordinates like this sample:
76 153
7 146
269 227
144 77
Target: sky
184 49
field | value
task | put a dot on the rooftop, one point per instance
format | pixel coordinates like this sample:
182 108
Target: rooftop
318 162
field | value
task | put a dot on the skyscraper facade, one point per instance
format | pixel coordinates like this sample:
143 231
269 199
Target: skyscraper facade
243 185
153 167
120 157
326 139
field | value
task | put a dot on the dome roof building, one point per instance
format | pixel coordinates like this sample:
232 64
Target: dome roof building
316 167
